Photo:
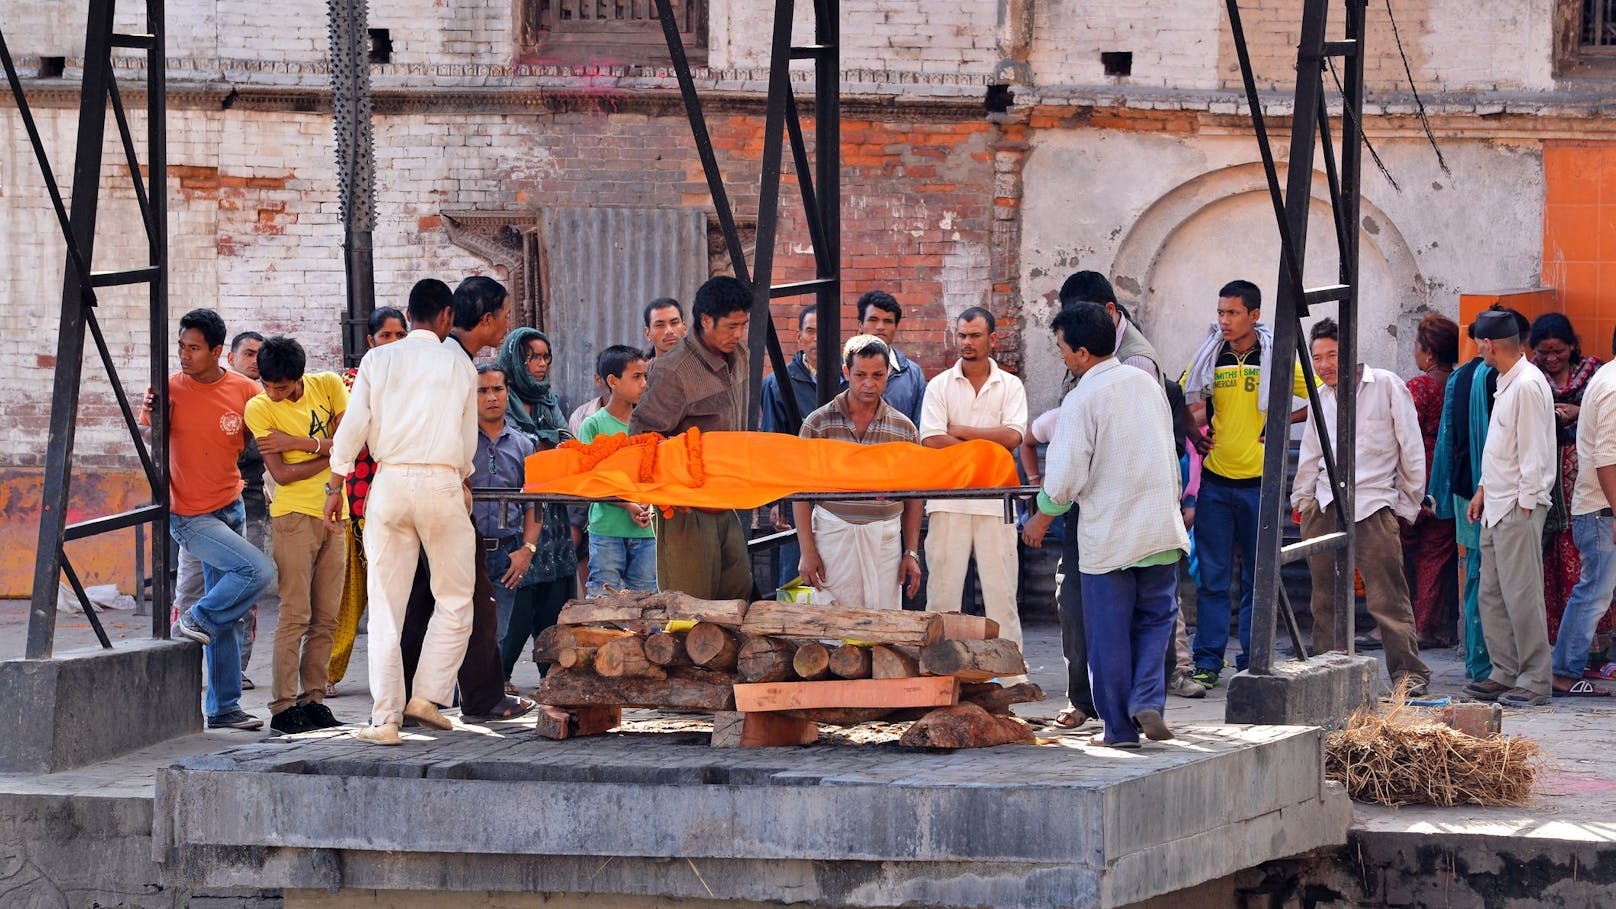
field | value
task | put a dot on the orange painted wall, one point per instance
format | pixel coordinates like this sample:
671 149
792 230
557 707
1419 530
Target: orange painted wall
106 559
1579 237
1531 303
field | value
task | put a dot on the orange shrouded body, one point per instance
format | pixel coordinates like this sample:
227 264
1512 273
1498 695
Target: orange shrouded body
751 469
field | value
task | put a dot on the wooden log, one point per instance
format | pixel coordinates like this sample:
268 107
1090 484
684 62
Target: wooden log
881 626
889 693
957 626
720 612
965 726
559 723
811 661
765 660
557 639
577 658
666 649
973 661
850 661
893 663
997 699
713 646
752 730
552 722
653 610
840 716
625 658
683 689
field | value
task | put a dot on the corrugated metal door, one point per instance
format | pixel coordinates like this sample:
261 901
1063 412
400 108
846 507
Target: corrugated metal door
601 266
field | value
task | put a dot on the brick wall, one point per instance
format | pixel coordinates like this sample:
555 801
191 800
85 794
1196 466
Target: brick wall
930 36
1173 44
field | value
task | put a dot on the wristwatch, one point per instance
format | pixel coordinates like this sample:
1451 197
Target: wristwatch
532 548
911 554
331 492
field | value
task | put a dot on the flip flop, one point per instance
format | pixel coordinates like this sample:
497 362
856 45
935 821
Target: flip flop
1582 689
1100 740
1071 718
508 709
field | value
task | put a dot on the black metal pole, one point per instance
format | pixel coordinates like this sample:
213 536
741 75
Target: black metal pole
1347 318
828 185
157 168
762 337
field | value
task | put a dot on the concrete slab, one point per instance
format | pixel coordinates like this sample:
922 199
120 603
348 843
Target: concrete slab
1321 691
1055 825
85 706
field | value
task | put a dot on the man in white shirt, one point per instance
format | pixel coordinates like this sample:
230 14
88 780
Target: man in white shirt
974 399
1518 468
1113 454
414 402
1593 531
1390 483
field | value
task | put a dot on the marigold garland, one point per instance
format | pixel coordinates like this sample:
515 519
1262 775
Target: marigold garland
698 470
604 447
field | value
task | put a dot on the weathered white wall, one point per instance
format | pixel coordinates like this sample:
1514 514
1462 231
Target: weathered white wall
1172 219
945 37
1174 44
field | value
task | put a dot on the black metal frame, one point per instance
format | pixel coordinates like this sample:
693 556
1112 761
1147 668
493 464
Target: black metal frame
1310 122
79 285
356 167
820 187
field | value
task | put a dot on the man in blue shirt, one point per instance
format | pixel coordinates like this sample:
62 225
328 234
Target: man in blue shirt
879 315
502 453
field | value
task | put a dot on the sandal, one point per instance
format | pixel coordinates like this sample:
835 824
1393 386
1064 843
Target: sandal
510 689
247 684
1485 690
509 708
331 689
1582 689
1522 697
1071 718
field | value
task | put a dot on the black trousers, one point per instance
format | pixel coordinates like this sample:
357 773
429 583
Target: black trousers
482 679
1069 598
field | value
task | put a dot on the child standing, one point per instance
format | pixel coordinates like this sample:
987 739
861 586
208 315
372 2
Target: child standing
622 546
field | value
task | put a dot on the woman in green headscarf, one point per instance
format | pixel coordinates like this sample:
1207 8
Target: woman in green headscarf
552 577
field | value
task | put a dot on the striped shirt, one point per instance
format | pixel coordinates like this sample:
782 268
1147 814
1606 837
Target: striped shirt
833 421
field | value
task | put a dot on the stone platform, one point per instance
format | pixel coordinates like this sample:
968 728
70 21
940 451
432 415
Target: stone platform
1061 824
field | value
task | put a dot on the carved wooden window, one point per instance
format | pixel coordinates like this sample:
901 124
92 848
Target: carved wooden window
607 32
1599 26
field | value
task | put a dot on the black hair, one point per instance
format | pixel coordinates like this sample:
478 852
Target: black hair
1245 291
429 298
977 312
875 347
235 343
718 298
208 323
613 360
1087 287
281 359
378 319
1324 328
1555 326
1521 322
811 309
881 300
661 303
476 297
1088 326
484 369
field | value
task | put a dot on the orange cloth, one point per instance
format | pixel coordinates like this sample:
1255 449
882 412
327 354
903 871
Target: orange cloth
206 432
751 469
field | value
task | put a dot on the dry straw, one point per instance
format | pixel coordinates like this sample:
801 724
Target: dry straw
1408 757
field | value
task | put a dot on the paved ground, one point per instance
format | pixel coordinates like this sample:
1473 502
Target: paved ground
1572 803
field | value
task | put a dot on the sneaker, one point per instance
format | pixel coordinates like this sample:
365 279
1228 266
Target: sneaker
1184 686
319 716
1206 678
385 734
187 627
235 719
291 721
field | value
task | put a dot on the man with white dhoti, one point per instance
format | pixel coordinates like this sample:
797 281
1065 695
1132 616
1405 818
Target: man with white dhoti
861 553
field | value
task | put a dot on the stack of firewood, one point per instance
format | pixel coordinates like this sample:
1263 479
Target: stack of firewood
770 672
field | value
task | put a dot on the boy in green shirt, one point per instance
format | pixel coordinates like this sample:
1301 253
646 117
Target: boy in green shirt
622 546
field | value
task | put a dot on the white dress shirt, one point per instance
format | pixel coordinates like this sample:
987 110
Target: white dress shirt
413 402
1596 440
1389 465
951 399
1519 463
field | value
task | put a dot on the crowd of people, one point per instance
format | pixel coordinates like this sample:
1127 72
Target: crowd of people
1143 473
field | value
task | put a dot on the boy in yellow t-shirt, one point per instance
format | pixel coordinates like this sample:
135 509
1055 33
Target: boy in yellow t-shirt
294 420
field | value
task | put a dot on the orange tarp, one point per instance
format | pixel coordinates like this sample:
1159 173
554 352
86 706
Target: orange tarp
751 469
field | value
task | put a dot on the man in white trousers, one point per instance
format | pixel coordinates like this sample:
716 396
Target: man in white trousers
414 403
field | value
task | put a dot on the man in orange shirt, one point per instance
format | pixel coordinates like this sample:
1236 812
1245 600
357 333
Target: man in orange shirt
206 433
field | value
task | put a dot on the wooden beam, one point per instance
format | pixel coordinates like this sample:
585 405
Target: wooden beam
879 626
684 689
936 691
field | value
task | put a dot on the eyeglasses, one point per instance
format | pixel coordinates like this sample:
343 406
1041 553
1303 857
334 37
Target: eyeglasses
538 356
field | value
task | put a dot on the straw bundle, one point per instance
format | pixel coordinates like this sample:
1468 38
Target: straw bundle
1407 757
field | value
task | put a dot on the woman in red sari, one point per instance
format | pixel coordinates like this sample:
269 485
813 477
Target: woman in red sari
1556 351
1430 552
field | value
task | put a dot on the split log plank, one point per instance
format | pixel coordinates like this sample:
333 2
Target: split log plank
850 661
890 693
625 658
713 646
655 610
765 660
881 626
840 716
811 662
893 663
684 689
973 661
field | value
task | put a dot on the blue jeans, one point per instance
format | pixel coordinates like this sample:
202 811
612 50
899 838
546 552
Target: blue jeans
1225 518
234 573
1590 598
623 563
1128 620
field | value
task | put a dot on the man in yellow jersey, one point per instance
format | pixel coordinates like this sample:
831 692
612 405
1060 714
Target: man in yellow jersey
1226 387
